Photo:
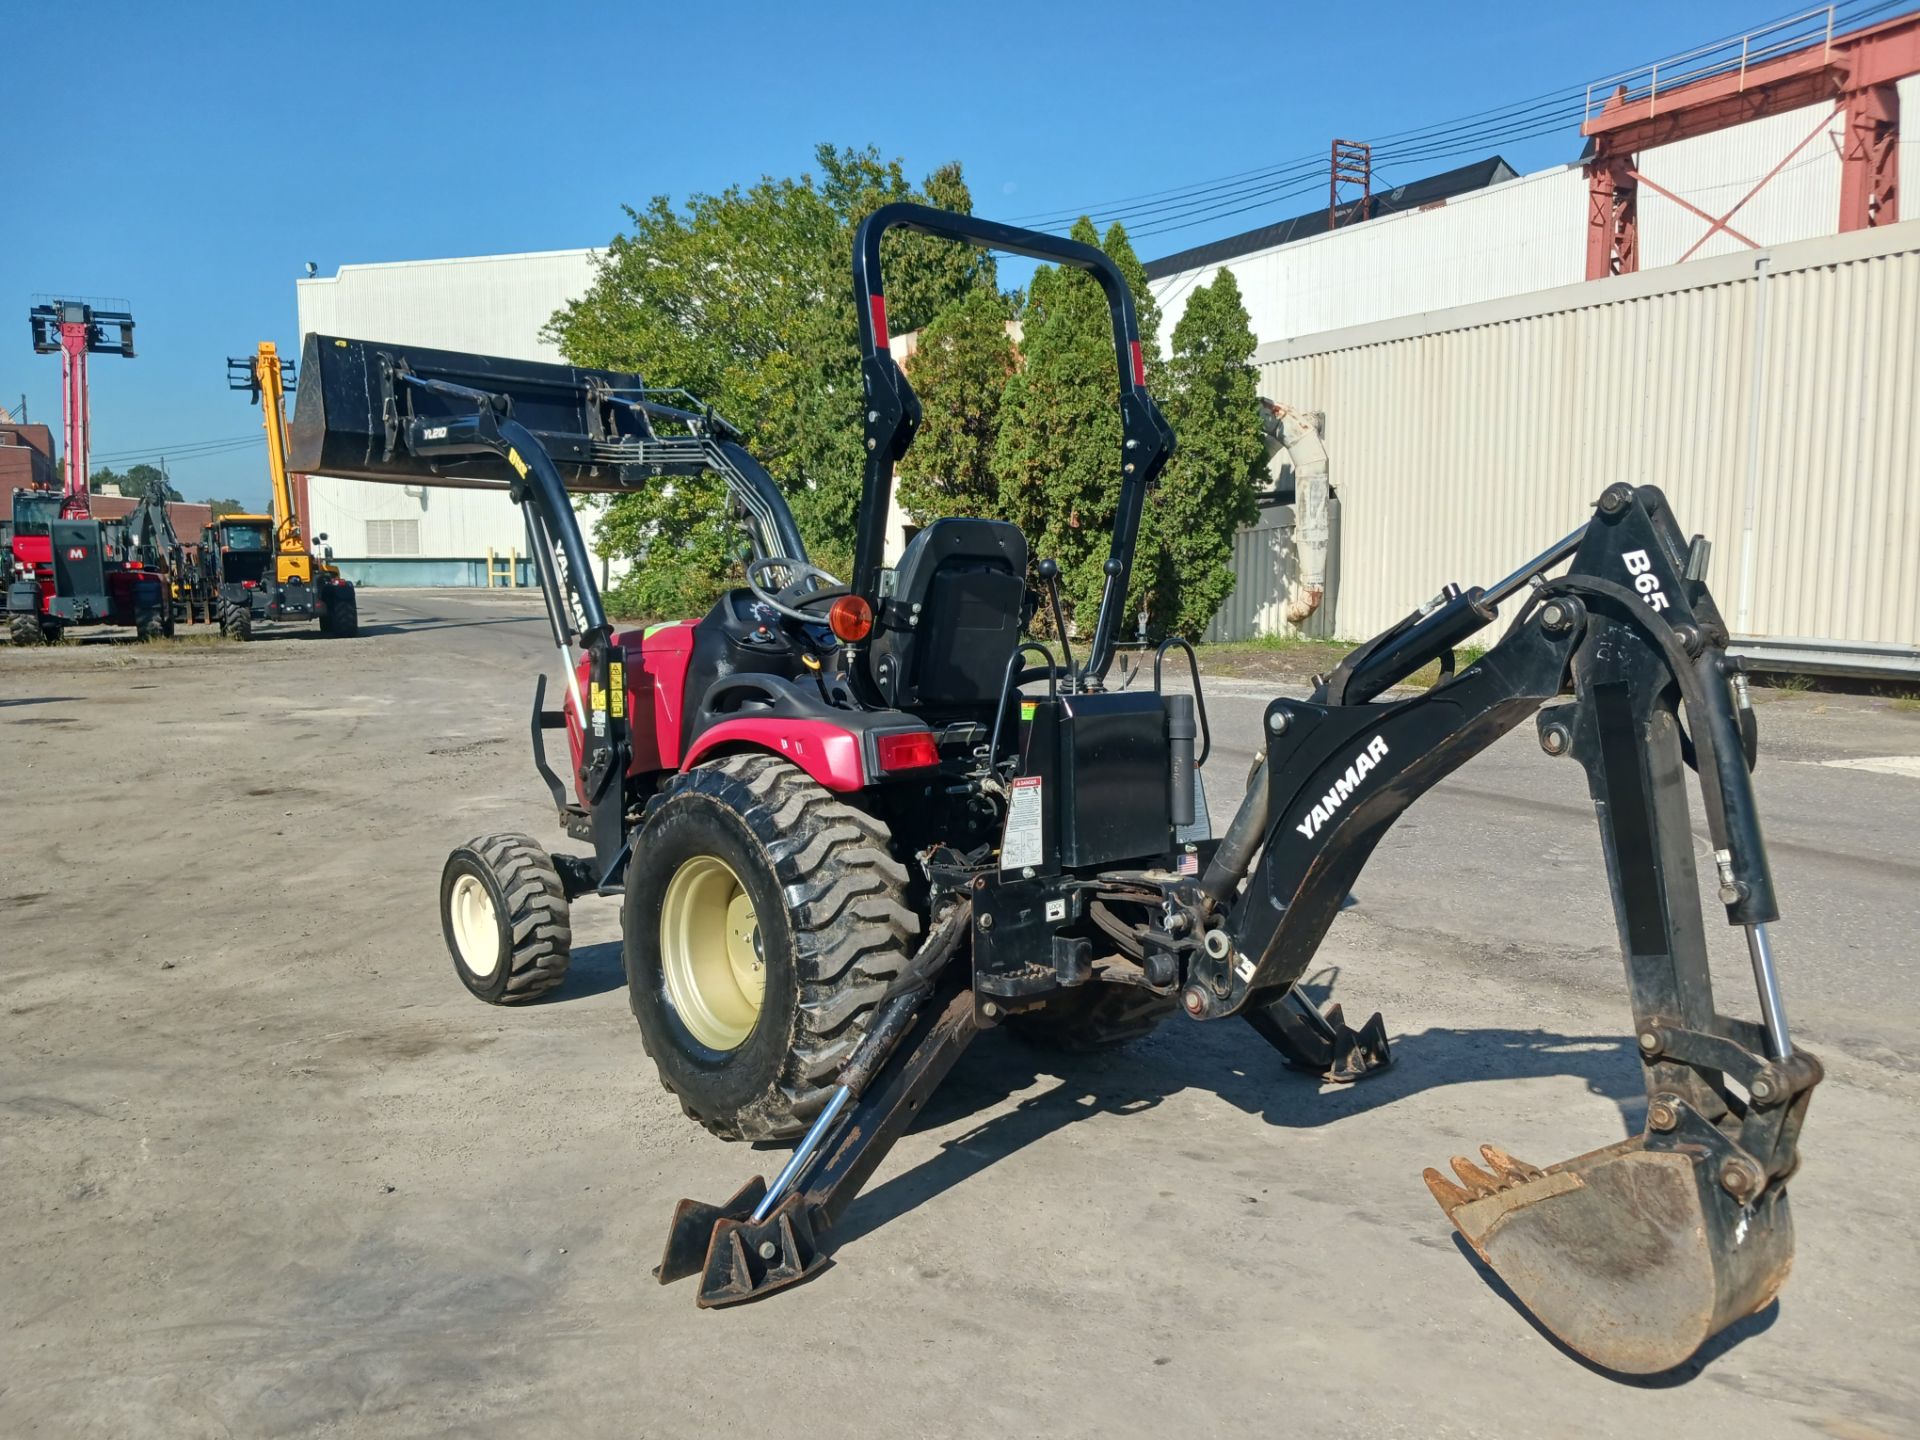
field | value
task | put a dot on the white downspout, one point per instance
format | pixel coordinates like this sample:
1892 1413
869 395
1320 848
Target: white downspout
1294 439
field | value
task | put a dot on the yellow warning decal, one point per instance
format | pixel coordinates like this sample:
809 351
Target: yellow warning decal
519 465
617 686
599 697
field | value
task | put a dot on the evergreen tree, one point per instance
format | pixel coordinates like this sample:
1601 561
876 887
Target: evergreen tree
1207 490
1058 456
745 298
960 372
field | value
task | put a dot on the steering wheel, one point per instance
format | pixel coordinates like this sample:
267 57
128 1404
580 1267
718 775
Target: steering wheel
808 586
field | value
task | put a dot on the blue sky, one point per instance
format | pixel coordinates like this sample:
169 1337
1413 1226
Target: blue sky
211 150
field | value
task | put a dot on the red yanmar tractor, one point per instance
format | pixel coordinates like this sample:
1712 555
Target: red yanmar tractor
854 823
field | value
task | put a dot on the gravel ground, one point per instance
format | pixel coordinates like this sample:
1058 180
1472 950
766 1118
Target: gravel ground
267 1170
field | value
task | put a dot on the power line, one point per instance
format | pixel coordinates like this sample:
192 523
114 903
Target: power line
184 448
1183 206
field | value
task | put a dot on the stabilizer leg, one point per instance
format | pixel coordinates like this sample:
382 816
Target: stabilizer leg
766 1239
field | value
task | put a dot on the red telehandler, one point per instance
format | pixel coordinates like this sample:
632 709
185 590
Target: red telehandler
854 823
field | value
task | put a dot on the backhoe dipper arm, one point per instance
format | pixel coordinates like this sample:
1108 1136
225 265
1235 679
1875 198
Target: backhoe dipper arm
893 410
1681 1229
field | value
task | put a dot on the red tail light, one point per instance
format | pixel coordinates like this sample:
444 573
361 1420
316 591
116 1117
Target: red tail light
249 584
907 750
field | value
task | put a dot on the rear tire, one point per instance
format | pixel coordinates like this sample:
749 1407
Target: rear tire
236 622
1094 1017
152 625
24 630
803 911
504 914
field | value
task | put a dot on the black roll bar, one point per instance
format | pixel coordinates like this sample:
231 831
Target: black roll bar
893 410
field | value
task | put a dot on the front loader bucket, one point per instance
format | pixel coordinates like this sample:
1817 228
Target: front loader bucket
1632 1257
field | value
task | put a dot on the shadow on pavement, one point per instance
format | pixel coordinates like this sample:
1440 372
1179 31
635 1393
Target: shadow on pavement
1233 1062
592 970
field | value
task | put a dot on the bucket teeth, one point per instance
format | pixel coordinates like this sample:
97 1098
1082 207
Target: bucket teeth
1514 1171
1475 1183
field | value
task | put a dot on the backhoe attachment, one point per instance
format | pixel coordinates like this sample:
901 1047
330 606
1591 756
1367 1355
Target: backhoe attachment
1636 1254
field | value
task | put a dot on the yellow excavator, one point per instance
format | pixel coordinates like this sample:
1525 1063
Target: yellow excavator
261 566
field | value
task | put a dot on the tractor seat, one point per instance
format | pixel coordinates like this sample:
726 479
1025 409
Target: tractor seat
948 627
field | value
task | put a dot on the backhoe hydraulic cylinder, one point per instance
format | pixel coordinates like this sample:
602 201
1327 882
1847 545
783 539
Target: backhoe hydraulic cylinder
1772 1017
1182 731
1457 615
1539 565
803 1153
1229 865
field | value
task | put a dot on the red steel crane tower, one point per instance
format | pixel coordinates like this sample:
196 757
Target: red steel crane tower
77 330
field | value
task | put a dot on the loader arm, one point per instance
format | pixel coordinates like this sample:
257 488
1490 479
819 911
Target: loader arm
411 416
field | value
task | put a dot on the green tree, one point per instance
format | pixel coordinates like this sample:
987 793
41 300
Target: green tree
224 507
138 481
960 372
1057 459
1207 490
745 298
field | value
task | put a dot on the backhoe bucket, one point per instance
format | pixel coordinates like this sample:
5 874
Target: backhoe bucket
1632 1257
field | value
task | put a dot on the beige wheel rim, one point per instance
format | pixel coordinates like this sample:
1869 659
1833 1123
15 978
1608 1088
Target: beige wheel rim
711 954
476 928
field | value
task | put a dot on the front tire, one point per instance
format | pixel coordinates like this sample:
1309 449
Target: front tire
764 921
504 913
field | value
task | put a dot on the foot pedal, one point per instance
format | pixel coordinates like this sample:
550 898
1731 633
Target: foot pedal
1322 1043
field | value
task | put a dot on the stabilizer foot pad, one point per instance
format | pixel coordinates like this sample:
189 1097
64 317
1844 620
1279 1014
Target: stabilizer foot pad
690 1235
1320 1043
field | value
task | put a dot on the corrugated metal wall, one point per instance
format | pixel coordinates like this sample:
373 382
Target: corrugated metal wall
1264 565
1777 385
